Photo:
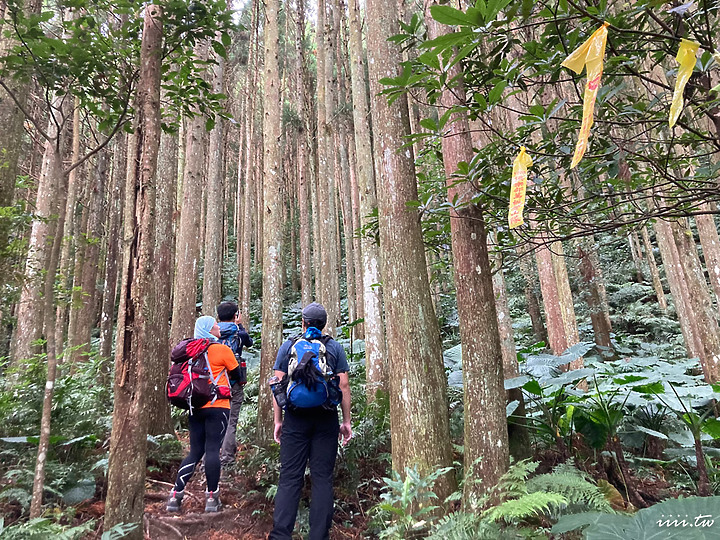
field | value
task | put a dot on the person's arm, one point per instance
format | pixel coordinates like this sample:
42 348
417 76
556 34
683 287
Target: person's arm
277 411
245 338
231 364
345 427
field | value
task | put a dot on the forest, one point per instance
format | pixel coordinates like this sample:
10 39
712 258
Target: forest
507 208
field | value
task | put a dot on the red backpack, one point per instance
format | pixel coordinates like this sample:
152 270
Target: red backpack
190 383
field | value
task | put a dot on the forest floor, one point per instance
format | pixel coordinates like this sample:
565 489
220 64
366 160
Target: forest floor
246 513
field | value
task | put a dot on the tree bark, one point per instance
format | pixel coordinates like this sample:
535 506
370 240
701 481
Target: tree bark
29 325
375 358
595 294
654 273
249 134
212 269
273 226
678 287
417 385
159 420
188 247
533 304
11 120
486 435
135 346
711 246
115 201
700 302
70 244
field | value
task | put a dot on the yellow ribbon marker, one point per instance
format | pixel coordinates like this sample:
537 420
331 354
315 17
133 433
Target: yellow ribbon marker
686 58
590 55
518 188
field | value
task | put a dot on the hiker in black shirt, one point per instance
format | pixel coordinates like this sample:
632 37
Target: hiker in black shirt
310 434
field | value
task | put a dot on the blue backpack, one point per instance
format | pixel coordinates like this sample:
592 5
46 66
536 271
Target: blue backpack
312 382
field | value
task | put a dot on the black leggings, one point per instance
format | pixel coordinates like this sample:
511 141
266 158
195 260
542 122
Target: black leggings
207 430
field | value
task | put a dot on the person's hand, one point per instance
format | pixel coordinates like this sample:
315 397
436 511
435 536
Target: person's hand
345 433
278 432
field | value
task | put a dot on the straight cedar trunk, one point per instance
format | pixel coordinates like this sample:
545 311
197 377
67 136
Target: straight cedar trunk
654 272
56 232
12 131
678 287
212 269
637 257
29 325
249 134
374 327
115 211
557 300
418 402
700 301
159 420
70 245
485 432
303 160
135 346
82 310
533 304
273 226
342 174
519 444
711 245
188 246
326 184
595 294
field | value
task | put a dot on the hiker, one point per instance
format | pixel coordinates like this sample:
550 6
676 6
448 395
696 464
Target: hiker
309 433
234 336
208 423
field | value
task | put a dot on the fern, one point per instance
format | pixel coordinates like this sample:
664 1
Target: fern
574 485
524 507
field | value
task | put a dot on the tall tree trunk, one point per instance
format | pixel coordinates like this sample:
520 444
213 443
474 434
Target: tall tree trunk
595 294
375 358
533 304
212 273
700 301
188 247
417 385
486 435
11 120
711 245
159 420
115 211
73 216
273 226
326 187
654 273
56 232
29 325
249 134
678 287
135 346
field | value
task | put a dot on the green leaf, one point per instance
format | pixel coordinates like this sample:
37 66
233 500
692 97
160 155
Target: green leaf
652 388
450 16
429 124
533 387
711 426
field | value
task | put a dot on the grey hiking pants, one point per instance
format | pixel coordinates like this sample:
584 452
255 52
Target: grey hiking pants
229 445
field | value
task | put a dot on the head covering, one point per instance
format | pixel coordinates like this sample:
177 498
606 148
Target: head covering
315 312
203 326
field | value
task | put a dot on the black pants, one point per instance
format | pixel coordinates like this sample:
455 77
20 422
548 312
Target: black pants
207 429
310 434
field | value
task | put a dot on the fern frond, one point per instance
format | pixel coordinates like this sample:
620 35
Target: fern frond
574 486
513 482
464 526
524 507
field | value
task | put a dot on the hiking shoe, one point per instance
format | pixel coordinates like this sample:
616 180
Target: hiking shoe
212 501
175 501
